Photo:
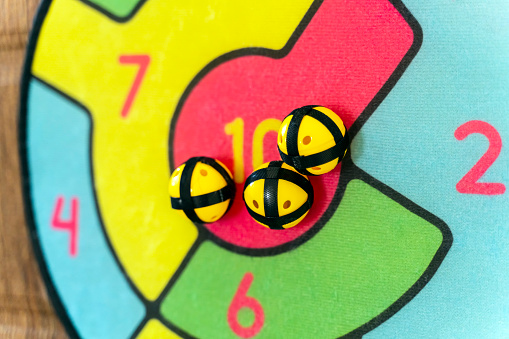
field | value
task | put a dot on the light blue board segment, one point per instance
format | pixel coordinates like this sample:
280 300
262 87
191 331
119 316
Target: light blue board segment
460 74
91 286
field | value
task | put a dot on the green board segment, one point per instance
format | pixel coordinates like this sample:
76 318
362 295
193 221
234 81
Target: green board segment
119 9
367 256
246 317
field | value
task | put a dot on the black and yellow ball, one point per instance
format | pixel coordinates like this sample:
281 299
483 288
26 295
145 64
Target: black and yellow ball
202 188
313 140
277 196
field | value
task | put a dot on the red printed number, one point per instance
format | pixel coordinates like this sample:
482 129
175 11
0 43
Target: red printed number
241 300
70 225
142 61
469 183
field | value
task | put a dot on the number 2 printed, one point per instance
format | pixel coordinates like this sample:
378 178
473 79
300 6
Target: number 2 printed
469 183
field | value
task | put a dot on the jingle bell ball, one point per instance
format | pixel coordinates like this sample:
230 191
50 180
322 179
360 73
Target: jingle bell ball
277 196
202 188
313 140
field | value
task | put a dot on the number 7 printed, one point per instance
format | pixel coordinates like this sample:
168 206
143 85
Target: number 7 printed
142 61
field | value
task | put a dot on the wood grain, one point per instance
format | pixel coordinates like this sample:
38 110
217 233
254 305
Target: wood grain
25 311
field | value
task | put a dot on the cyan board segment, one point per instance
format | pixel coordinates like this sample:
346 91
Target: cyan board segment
96 295
461 73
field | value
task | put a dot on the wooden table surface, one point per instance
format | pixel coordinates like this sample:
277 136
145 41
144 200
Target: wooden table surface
25 311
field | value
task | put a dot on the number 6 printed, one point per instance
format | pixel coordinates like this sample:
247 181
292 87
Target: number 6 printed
241 300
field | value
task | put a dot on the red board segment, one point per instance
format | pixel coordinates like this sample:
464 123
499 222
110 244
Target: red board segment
342 59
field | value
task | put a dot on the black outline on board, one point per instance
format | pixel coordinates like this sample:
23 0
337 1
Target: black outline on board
364 116
274 54
25 182
349 171
119 19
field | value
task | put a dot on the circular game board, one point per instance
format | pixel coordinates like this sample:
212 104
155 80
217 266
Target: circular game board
116 94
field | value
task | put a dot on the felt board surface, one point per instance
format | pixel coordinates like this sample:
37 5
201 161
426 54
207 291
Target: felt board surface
406 238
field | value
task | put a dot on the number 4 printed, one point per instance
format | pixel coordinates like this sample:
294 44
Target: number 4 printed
71 225
142 61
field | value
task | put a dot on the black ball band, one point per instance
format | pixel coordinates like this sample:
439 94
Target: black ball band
188 203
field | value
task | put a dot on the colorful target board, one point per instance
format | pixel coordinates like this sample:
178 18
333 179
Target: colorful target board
116 94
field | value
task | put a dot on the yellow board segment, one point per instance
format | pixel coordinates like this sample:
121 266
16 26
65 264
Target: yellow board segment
154 329
78 52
